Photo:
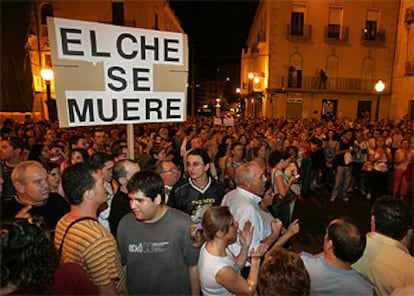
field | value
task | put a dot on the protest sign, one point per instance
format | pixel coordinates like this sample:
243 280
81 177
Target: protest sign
107 74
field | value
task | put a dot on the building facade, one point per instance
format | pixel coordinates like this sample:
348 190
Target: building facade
155 15
323 58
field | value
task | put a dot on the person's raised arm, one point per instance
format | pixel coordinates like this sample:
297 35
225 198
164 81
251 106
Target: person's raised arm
245 237
292 230
276 226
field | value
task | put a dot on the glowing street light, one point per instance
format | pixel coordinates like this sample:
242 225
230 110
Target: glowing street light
379 88
47 75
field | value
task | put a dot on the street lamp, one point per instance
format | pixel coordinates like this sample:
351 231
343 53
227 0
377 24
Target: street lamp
250 76
379 88
218 107
47 75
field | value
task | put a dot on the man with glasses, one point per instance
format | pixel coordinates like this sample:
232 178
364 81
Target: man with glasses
169 173
199 191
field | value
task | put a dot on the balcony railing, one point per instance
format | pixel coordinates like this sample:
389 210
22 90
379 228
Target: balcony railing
331 84
295 32
336 33
376 37
409 68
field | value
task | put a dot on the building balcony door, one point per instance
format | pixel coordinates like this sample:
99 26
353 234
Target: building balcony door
297 24
364 110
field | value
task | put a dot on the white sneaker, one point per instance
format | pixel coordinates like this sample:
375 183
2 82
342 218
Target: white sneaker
332 199
345 199
368 195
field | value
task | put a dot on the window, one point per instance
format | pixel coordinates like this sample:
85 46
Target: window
335 22
371 24
297 20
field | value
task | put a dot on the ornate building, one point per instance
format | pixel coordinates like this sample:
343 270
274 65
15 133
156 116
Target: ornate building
323 58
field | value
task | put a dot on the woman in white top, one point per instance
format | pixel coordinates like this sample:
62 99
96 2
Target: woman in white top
219 269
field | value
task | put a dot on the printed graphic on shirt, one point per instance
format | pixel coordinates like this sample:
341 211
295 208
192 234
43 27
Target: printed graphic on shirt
148 247
200 206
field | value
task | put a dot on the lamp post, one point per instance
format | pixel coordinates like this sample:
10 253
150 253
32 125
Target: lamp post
47 75
250 76
218 107
379 88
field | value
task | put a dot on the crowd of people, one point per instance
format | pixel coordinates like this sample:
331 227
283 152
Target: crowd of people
203 208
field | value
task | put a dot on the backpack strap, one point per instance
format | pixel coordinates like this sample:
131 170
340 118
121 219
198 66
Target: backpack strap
67 230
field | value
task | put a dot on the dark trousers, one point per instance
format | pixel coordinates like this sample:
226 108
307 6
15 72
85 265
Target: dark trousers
378 184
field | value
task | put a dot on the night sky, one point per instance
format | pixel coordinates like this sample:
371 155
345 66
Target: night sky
217 30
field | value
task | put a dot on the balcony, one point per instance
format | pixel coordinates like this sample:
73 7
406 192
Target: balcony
339 84
298 33
409 69
373 37
336 33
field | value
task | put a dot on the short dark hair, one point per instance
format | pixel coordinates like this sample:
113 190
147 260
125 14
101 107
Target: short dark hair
348 241
235 144
16 143
74 140
27 254
392 217
202 153
116 147
76 179
276 156
100 158
283 273
50 166
35 152
82 152
149 183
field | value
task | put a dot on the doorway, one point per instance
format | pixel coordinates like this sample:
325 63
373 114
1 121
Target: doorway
364 110
329 108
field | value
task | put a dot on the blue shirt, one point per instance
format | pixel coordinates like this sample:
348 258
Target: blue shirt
328 280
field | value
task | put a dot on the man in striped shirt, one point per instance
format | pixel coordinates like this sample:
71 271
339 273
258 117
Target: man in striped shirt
87 242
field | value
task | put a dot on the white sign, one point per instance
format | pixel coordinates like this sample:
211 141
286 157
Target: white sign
106 74
294 98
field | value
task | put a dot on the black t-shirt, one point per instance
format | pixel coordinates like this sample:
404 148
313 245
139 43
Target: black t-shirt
194 201
119 207
8 189
339 158
54 208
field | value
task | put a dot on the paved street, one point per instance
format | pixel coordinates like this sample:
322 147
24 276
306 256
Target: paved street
316 211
